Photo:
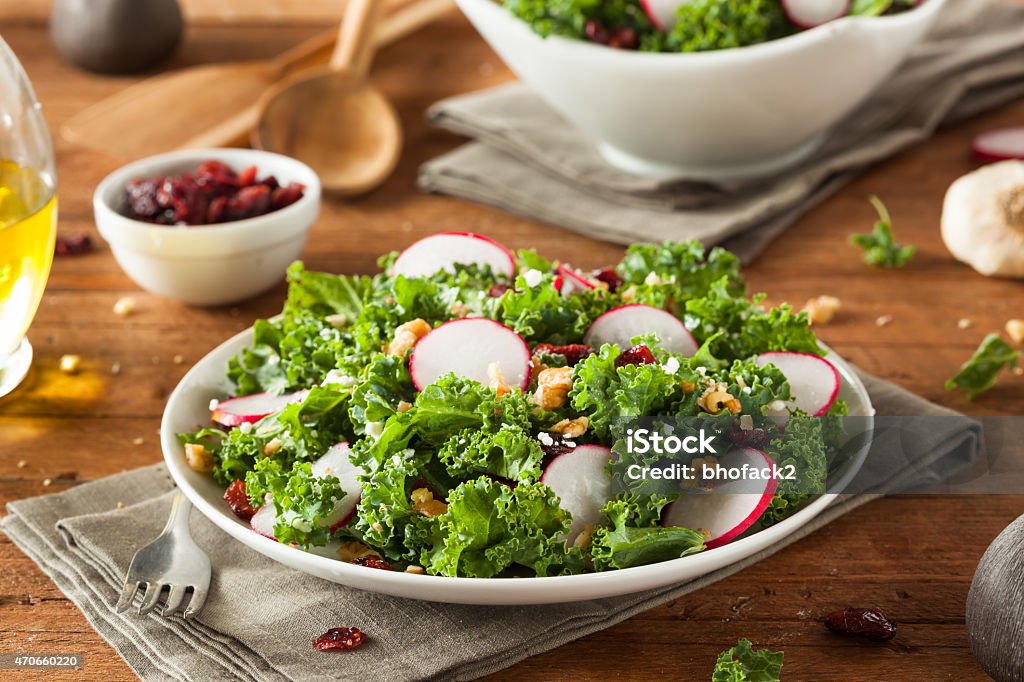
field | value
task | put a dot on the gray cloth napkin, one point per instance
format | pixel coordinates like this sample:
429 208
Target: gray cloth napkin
528 160
260 616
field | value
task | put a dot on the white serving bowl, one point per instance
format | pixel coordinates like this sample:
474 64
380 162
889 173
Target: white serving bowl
727 114
209 264
188 408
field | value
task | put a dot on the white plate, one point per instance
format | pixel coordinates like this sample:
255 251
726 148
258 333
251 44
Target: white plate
188 409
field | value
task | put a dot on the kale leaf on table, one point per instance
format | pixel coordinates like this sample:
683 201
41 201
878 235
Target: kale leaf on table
743 663
981 371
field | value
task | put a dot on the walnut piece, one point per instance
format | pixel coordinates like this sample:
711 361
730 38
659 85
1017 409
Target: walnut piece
198 458
553 386
497 381
353 550
571 428
822 310
582 541
423 502
406 337
716 398
1015 330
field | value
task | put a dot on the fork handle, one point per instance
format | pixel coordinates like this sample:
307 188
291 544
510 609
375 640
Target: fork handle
181 508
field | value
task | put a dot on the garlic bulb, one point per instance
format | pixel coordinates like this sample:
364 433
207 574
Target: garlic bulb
983 219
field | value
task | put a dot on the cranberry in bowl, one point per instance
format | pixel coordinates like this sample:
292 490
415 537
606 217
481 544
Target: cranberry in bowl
208 226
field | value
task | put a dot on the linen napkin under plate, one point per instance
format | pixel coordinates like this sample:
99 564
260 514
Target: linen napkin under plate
260 617
528 160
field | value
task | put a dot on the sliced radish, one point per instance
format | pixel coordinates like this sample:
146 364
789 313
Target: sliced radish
583 486
336 462
732 506
249 409
442 251
570 280
263 520
1000 145
813 381
621 324
468 347
811 13
662 13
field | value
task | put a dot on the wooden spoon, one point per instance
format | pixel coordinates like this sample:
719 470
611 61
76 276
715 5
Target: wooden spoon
333 119
216 105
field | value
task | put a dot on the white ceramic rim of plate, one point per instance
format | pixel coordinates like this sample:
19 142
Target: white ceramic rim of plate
482 591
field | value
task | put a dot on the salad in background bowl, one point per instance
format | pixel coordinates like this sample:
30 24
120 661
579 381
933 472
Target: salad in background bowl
454 418
704 113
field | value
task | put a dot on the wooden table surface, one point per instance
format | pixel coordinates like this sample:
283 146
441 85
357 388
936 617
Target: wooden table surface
912 556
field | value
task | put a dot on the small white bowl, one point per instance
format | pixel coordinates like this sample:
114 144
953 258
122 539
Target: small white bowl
720 115
208 265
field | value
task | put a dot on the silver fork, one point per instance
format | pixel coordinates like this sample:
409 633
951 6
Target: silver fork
173 562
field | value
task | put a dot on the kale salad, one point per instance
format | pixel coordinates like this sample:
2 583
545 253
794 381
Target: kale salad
458 414
689 25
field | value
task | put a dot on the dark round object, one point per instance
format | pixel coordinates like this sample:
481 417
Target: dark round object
995 607
115 36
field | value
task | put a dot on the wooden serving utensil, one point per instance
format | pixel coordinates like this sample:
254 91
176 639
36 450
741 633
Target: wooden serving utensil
216 105
333 119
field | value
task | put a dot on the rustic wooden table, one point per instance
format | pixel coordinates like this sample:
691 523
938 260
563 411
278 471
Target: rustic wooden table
912 556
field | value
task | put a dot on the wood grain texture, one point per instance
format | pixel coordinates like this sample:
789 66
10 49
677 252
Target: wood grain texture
912 556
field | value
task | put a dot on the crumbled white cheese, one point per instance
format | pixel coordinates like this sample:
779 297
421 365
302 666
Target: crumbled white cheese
213 404
776 406
374 429
652 279
746 422
301 524
245 427
746 389
532 277
336 376
703 371
408 453
671 366
545 438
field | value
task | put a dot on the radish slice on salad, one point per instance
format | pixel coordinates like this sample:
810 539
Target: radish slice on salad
442 251
569 281
468 347
1000 145
335 462
813 381
621 324
263 520
731 507
811 13
252 408
581 483
662 13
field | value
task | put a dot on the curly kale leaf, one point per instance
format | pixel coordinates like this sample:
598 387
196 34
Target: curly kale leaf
510 452
720 24
540 314
623 546
302 501
489 527
677 271
742 663
741 328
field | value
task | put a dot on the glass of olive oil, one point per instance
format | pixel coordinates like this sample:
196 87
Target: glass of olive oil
28 215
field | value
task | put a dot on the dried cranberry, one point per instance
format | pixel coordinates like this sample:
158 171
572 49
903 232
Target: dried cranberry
372 561
624 38
497 290
637 355
753 438
573 353
596 32
73 245
142 197
868 623
238 500
217 212
285 196
250 202
340 639
247 177
609 277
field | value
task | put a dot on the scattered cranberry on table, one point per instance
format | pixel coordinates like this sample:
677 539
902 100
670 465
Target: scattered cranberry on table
214 193
72 245
868 623
340 639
